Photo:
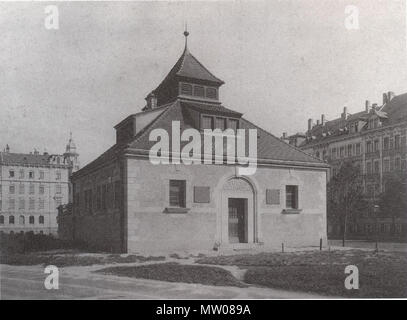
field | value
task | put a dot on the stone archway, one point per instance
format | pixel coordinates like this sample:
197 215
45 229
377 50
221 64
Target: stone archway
238 214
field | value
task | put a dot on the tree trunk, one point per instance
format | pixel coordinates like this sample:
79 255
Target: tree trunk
344 229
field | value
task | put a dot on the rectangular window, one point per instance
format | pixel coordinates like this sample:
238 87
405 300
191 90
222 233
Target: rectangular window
41 189
397 164
220 123
291 197
334 153
233 124
21 189
31 175
11 204
117 187
199 91
31 188
397 141
349 150
11 174
12 189
342 152
21 204
358 149
104 194
58 175
211 93
177 193
376 167
207 122
386 165
273 196
21 176
376 145
31 204
98 198
41 204
58 188
369 147
186 89
386 143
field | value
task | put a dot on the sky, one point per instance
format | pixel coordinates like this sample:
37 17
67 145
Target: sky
282 62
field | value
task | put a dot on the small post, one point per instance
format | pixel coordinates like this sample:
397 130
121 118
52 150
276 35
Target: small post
282 247
320 244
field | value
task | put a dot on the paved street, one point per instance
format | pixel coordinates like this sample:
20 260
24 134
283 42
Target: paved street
27 282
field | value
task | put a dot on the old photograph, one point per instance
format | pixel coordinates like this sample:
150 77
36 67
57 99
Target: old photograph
203 150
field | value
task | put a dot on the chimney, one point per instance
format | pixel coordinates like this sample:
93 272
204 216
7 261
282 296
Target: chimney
151 101
7 148
344 114
309 124
390 96
367 106
374 106
323 121
284 135
385 98
317 122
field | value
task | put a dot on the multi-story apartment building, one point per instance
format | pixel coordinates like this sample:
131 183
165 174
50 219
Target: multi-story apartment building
373 139
32 187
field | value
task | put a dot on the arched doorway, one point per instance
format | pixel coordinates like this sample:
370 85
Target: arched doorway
238 217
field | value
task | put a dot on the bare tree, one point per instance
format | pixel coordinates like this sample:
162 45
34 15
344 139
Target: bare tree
345 196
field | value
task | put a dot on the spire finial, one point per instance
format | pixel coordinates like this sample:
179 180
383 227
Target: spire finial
186 34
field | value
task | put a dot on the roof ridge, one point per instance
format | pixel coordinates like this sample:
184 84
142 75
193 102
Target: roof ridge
147 127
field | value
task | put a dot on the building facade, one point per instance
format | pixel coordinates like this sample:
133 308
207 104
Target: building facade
375 141
124 202
32 187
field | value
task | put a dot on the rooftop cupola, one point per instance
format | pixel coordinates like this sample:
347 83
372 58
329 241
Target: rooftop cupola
188 79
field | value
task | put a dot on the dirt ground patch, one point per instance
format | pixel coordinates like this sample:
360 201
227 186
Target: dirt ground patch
174 272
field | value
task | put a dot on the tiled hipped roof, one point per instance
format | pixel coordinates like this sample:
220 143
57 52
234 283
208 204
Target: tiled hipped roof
391 113
7 158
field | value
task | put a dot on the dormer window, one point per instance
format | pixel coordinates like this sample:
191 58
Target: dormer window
211 93
195 90
220 123
199 91
186 89
207 122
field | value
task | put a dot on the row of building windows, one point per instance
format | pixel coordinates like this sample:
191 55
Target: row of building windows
198 91
371 146
31 174
222 123
345 151
31 189
31 204
21 220
105 196
397 165
177 195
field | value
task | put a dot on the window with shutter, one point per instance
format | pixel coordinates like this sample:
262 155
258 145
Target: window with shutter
186 89
211 93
